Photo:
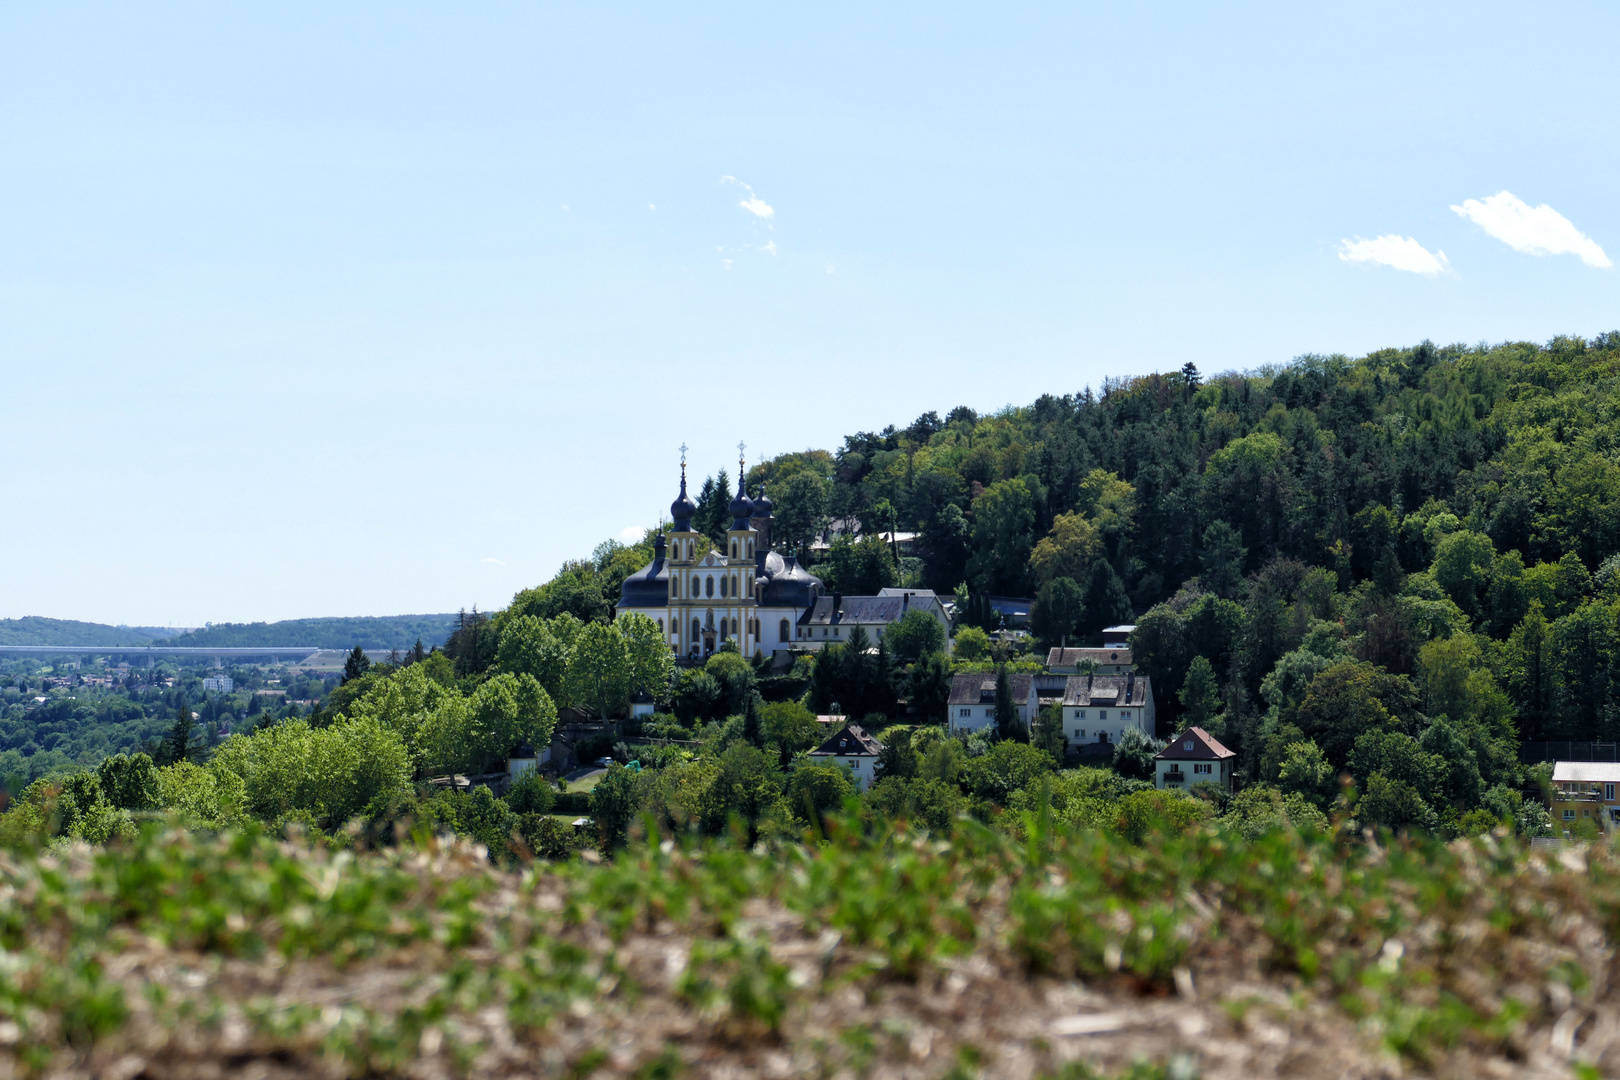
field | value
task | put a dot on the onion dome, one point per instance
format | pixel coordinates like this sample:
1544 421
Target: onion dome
762 505
742 508
682 509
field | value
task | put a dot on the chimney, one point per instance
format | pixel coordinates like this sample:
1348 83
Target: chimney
905 603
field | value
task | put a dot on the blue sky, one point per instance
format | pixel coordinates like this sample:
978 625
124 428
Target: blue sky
313 309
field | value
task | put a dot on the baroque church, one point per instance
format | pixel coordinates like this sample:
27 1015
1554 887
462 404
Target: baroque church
745 590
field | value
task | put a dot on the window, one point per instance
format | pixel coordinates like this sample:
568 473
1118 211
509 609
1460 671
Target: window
1080 715
734 591
965 714
708 586
1608 793
1569 815
782 630
1187 745
734 549
1102 714
660 626
1079 733
1202 768
697 631
1125 715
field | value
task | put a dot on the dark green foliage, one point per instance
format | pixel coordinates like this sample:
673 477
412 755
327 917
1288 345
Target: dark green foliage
357 664
1133 754
1059 611
530 794
928 687
1106 601
129 782
1008 725
914 635
178 746
377 633
1005 768
613 805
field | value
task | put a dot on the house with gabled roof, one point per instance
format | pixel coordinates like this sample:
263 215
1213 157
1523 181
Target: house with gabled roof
854 749
1099 709
1193 757
973 700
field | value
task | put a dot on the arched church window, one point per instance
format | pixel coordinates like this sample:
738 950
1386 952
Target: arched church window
708 586
697 629
660 626
782 630
734 549
722 587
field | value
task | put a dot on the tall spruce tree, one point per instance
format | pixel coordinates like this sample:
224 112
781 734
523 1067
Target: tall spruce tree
1007 723
356 665
177 747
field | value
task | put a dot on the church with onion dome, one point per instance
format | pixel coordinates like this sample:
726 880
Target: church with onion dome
744 590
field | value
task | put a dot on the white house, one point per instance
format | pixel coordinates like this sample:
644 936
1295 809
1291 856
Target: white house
853 749
218 683
973 700
1098 709
1118 637
1193 757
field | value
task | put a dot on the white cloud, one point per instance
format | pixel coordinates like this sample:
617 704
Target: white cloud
726 263
1534 230
652 206
769 248
753 204
493 559
1399 252
632 534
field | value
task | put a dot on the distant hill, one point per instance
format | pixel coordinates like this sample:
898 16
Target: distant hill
372 633
36 630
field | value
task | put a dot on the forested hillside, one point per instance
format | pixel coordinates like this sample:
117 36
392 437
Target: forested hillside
378 633
35 630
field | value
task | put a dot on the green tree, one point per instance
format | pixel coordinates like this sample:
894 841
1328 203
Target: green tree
1060 608
129 782
1350 698
1003 536
800 509
529 646
928 688
1200 697
1106 601
971 644
815 791
914 635
357 664
1395 805
1008 725
1068 550
754 721
1223 557
1306 772
177 747
599 670
859 567
1133 754
1463 566
1005 768
614 801
652 665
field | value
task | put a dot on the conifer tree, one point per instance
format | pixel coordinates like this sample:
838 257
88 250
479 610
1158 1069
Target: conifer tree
356 665
177 747
1007 724
753 721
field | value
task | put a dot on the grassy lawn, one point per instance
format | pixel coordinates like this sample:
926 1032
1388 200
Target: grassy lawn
587 783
